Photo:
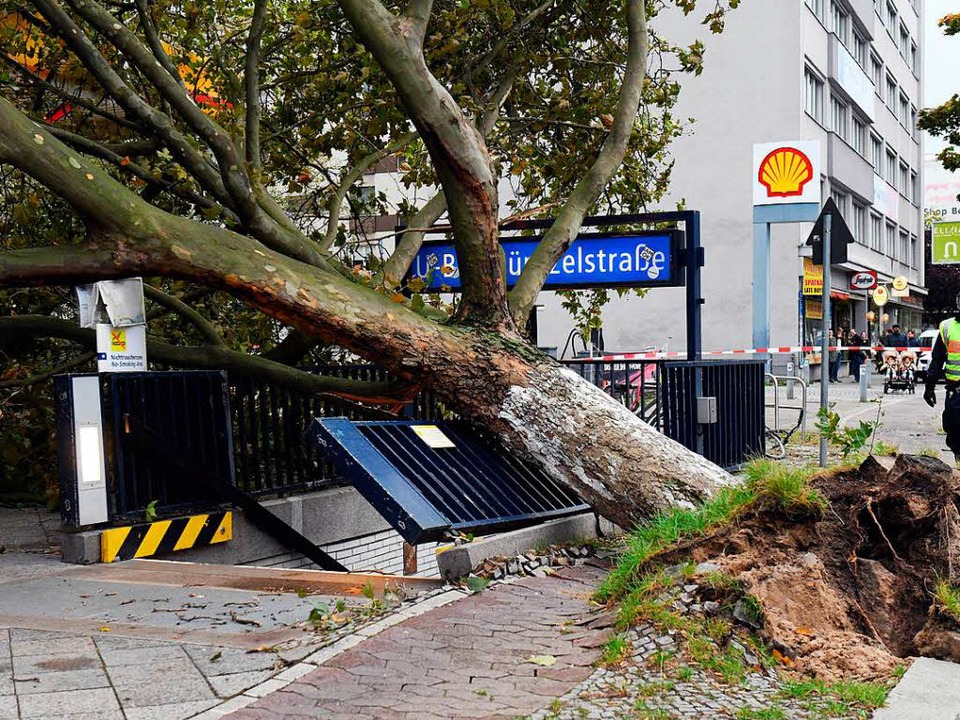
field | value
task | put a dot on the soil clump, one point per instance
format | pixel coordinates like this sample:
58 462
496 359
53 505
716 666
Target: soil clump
849 593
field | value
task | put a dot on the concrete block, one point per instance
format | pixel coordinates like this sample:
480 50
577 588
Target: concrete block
460 560
333 515
80 548
930 689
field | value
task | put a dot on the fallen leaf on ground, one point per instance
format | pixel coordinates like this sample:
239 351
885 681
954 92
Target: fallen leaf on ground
544 660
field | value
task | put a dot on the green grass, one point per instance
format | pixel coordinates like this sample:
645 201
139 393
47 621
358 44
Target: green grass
771 713
614 650
884 448
779 487
662 531
841 699
948 595
929 452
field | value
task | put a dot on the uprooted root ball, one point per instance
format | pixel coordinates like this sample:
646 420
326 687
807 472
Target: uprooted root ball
847 593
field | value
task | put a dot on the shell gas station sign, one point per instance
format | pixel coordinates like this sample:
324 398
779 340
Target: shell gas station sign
786 173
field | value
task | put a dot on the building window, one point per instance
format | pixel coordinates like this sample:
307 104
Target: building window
876 73
904 111
813 95
890 167
816 7
858 137
859 224
913 123
876 232
840 22
904 43
903 181
839 114
914 252
891 97
891 19
890 240
876 154
840 199
914 188
904 256
913 59
860 49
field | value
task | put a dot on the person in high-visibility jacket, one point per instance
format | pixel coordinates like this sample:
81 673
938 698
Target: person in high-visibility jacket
945 362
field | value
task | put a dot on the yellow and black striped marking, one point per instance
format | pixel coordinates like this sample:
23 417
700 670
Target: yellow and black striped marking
163 536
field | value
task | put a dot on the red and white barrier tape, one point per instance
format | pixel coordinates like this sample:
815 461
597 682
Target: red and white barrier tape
657 355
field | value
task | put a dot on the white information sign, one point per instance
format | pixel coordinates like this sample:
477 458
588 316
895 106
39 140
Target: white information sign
121 349
786 173
432 436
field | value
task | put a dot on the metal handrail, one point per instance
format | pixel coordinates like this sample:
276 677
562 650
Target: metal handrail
777 407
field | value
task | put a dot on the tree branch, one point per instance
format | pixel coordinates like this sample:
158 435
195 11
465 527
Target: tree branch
411 239
292 348
220 358
236 181
159 123
204 326
156 45
355 173
561 234
458 153
418 12
46 375
251 82
122 161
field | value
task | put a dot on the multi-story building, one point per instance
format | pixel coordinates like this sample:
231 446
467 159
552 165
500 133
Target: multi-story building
846 73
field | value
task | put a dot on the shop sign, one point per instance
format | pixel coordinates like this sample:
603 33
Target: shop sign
945 247
864 280
814 310
900 287
786 173
880 296
812 278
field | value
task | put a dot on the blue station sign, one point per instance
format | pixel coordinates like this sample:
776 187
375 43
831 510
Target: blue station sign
641 259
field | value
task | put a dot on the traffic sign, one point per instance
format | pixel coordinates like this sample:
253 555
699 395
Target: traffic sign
840 236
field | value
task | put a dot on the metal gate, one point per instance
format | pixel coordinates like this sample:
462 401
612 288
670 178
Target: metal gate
190 411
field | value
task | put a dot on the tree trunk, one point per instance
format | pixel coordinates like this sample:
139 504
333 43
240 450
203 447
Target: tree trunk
621 466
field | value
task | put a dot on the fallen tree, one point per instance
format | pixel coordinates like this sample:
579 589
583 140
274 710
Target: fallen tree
216 225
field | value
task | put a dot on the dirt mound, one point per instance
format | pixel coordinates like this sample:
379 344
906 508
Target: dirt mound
849 594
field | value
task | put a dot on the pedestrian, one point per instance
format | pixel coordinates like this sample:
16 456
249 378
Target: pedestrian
856 340
895 339
912 339
945 361
833 356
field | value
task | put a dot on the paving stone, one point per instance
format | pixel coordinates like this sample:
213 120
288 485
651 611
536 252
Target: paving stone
168 711
230 660
32 665
137 686
54 647
229 685
8 707
61 681
154 655
58 704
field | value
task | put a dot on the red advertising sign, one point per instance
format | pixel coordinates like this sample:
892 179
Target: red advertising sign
865 280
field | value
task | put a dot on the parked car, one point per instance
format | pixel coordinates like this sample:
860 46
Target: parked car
927 339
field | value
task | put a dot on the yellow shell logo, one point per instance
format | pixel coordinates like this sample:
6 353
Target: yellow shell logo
784 172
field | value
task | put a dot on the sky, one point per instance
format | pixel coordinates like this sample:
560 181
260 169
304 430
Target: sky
941 58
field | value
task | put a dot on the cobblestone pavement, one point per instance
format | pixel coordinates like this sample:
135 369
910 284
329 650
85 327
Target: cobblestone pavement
502 653
639 686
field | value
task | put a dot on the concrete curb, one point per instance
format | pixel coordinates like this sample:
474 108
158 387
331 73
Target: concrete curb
318 658
458 560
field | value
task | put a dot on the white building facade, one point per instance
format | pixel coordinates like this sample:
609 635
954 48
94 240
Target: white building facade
845 73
